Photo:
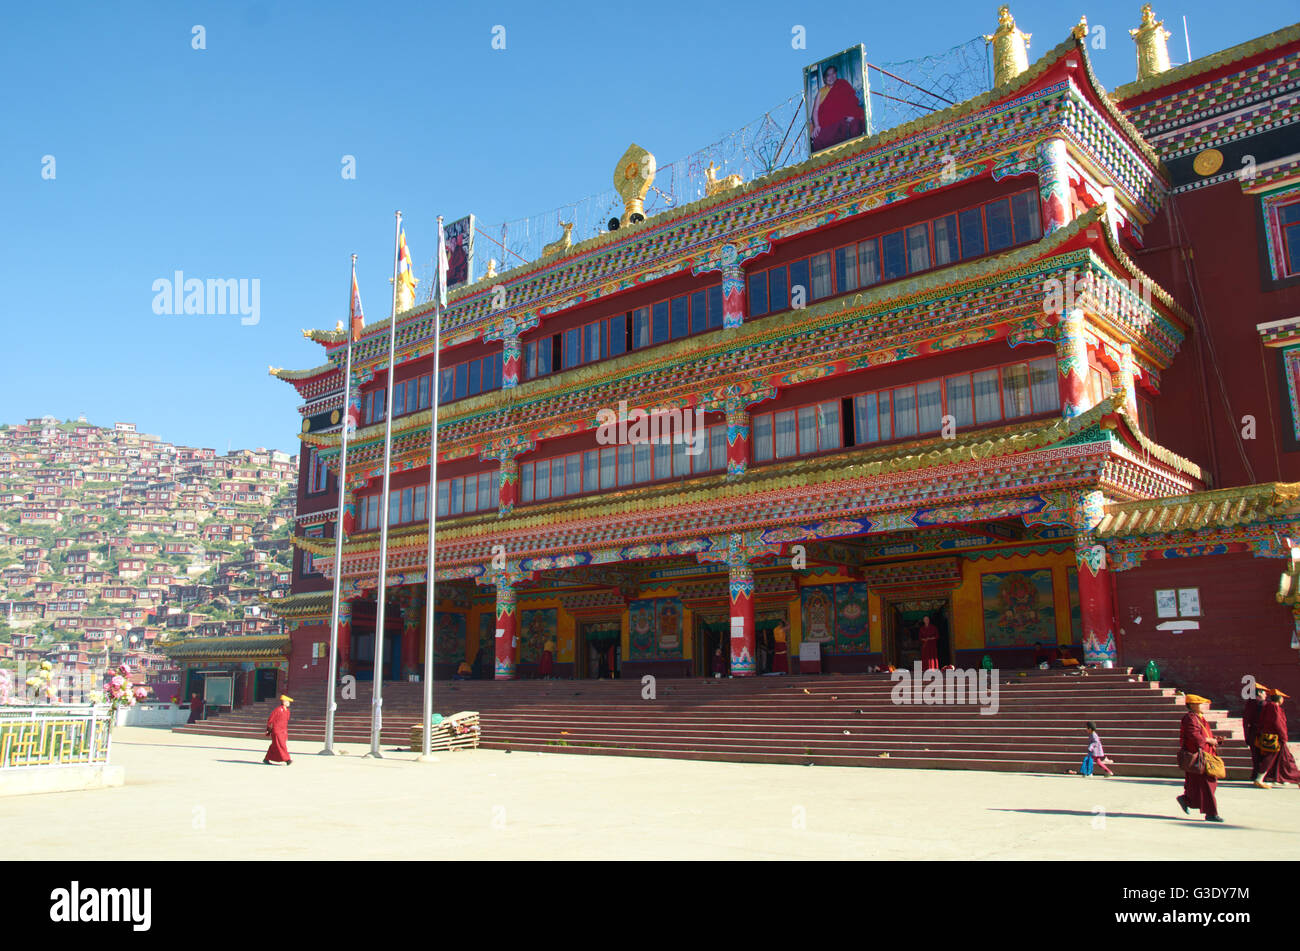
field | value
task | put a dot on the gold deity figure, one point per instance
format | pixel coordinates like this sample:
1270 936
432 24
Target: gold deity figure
1152 44
1010 48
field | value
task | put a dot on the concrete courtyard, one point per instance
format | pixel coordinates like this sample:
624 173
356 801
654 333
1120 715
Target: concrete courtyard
194 797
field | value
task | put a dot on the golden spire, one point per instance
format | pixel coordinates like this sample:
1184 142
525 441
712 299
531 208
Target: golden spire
1080 31
1010 48
633 176
1152 48
492 267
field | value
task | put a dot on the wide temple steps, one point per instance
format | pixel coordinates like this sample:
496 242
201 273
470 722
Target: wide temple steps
846 720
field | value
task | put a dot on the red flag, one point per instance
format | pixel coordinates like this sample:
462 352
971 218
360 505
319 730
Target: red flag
358 318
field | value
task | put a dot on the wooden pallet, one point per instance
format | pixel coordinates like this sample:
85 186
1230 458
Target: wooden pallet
460 731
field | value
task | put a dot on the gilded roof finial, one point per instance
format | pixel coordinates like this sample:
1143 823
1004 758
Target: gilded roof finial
633 177
1152 48
1080 31
492 267
1010 48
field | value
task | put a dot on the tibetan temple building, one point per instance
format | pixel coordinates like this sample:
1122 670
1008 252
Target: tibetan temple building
1028 366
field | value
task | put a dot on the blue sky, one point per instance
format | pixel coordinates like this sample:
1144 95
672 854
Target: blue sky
225 162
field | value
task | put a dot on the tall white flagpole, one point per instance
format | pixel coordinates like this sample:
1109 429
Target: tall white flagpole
431 507
377 701
331 705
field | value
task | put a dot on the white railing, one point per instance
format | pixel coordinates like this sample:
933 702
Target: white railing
53 736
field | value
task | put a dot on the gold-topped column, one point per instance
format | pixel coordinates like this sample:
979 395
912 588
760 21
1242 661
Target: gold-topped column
1010 48
1151 38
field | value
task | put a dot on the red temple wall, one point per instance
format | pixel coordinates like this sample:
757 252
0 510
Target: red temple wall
1243 630
1224 227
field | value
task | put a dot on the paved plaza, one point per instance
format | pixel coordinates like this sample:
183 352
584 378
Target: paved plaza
195 797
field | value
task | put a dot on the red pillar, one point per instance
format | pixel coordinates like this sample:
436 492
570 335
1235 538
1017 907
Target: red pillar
508 486
1072 364
733 292
507 632
511 361
345 637
738 438
741 592
1096 603
412 630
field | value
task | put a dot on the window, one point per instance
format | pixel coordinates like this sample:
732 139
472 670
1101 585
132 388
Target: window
787 433
997 221
318 475
918 248
821 276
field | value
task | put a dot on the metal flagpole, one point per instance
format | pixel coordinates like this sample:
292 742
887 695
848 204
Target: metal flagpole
431 507
331 705
377 701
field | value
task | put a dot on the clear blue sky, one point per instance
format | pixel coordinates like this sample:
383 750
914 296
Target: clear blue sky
226 162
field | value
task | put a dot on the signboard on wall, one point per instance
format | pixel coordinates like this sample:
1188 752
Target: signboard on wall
218 690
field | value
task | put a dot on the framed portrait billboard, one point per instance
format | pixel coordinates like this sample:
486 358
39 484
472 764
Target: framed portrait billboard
459 236
837 99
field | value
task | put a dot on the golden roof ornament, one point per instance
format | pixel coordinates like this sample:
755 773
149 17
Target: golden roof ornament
633 176
713 185
1080 30
492 267
1010 48
1152 47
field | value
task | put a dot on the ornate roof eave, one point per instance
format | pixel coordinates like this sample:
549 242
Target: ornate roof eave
1213 508
1098 213
837 153
260 646
328 338
295 376
303 604
1205 64
977 445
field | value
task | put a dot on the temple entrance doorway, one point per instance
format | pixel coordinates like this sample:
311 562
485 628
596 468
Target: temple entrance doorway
264 687
709 636
596 651
904 618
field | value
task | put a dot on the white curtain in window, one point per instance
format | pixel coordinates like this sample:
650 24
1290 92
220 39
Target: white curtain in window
573 473
988 408
807 430
829 423
718 447
663 460
1042 379
866 426
457 496
542 481
821 277
525 483
486 497
904 412
608 468
959 401
681 461
442 496
929 406
763 437
1015 391
625 465
558 488
591 470
918 248
784 425
644 462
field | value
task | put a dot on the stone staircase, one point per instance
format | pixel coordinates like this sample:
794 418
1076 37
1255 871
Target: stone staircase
847 720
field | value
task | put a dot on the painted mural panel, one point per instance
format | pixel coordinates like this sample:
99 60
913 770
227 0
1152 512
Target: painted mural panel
1019 609
655 628
818 613
448 636
536 627
852 632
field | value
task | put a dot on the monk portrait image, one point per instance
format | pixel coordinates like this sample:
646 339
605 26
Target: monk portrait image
836 111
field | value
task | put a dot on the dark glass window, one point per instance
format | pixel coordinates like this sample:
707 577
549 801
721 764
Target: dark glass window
572 347
462 381
475 377
660 328
1024 212
778 288
799 278
997 215
617 335
640 328
680 317
894 253
699 315
846 269
758 294
972 233
715 306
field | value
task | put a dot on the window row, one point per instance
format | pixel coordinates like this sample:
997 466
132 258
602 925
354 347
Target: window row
673 319
971 399
611 467
971 233
469 378
410 396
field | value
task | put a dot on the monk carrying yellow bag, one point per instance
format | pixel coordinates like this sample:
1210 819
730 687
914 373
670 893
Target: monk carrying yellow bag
1214 767
1268 742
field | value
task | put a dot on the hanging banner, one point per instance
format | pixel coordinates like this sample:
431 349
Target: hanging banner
459 236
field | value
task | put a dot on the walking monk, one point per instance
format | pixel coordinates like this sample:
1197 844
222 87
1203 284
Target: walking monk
1195 736
1250 724
277 728
929 645
1276 764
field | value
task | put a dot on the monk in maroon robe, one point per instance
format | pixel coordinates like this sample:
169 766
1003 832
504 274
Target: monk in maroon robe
837 116
1250 724
1275 766
929 635
1194 736
781 651
277 728
196 708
